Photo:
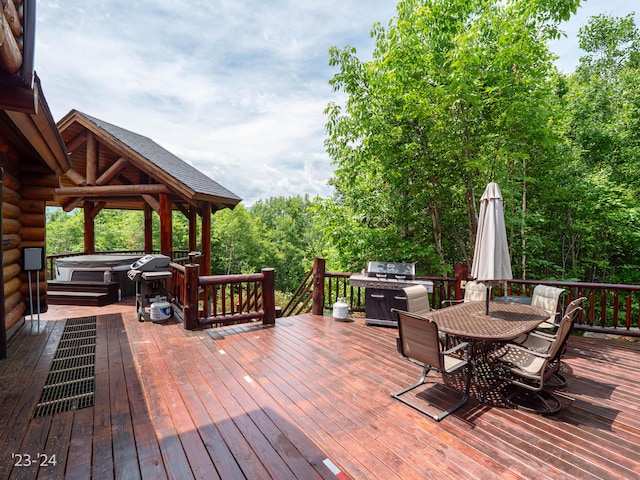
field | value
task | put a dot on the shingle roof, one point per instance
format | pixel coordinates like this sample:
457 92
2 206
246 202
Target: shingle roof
180 170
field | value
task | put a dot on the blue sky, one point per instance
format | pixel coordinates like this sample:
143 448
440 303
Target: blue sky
235 87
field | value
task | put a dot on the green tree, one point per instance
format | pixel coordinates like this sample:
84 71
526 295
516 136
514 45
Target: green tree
65 231
237 242
291 235
603 111
457 93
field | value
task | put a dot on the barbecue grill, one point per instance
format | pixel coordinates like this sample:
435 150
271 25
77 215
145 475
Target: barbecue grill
383 284
151 274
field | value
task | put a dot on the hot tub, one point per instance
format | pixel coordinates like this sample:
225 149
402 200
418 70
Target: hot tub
91 268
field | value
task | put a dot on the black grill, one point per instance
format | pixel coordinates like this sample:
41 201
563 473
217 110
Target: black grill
383 284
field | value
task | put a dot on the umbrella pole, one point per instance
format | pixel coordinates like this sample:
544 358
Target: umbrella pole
488 293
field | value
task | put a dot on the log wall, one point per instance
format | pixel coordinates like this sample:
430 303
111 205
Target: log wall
26 188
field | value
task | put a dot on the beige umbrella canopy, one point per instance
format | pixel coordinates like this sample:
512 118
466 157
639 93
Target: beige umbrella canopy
491 263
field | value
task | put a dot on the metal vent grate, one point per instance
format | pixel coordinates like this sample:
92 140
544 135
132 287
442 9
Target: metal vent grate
70 384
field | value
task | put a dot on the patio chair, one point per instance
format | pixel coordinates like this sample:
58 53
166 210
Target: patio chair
541 341
473 292
418 342
417 298
418 302
547 298
534 370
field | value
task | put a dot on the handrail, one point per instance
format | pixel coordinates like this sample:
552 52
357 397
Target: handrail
224 299
610 308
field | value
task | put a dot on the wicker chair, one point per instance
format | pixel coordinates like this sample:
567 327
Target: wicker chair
536 366
418 342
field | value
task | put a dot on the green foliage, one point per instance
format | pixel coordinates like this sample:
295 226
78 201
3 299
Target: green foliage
65 231
458 93
280 233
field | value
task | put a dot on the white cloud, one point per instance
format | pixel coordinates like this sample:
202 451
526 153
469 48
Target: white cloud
235 87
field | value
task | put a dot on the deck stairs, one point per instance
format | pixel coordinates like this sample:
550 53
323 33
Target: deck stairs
93 294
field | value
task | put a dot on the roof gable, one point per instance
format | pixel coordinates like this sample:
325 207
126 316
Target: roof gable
180 170
140 161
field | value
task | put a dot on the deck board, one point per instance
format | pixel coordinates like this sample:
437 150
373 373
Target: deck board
298 400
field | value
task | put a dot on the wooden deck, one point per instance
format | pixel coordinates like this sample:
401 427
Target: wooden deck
306 399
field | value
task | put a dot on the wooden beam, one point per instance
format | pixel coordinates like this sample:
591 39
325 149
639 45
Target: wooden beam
74 203
89 229
76 141
166 226
193 227
3 326
152 202
75 177
111 190
205 268
10 55
112 171
97 208
92 159
148 228
12 17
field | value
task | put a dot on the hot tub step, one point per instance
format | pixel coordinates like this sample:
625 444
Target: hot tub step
82 293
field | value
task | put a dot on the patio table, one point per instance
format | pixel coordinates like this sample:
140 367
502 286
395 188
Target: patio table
505 320
469 322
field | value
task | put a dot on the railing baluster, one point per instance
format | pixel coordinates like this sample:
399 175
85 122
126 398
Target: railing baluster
627 313
615 310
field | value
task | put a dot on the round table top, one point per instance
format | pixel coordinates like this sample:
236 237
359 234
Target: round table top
505 321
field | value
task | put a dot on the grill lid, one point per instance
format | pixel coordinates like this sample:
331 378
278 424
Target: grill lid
151 263
400 271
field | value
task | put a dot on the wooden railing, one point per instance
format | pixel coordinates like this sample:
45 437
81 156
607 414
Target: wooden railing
610 308
225 299
222 299
321 289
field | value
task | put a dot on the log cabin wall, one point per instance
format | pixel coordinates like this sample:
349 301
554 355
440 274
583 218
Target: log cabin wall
24 195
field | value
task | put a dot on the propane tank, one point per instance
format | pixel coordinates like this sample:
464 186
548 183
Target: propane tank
341 310
160 311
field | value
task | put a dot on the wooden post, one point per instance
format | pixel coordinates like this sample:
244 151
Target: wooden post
460 272
148 229
166 226
89 229
269 296
317 297
205 267
193 224
92 159
190 300
3 324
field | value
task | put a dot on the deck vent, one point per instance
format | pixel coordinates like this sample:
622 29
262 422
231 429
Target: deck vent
70 384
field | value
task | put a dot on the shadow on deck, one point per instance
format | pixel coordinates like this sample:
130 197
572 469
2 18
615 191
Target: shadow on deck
309 398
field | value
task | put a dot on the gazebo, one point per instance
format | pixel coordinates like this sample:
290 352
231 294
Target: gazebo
115 168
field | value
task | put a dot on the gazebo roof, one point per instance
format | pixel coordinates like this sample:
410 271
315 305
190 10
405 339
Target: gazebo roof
128 160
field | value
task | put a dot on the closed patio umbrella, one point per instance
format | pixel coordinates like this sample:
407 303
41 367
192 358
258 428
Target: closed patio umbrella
491 263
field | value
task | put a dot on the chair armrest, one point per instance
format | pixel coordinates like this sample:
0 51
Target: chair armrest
456 348
546 336
450 302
